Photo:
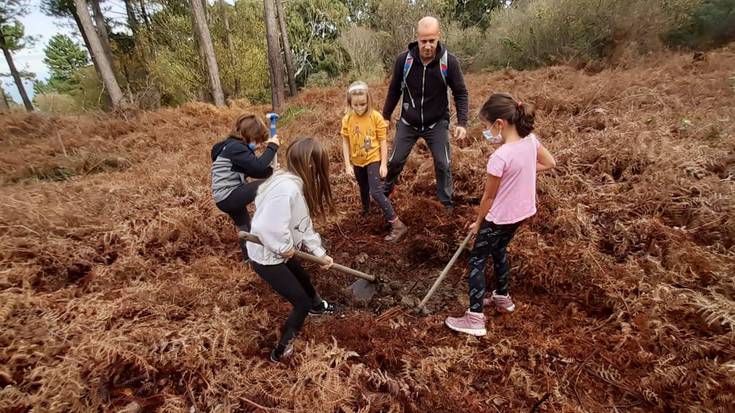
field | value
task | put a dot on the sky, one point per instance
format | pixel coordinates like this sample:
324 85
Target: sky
44 27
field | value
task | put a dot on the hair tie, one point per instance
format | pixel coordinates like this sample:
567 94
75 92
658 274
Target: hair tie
519 104
355 88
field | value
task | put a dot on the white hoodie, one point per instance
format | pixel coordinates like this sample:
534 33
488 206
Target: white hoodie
282 220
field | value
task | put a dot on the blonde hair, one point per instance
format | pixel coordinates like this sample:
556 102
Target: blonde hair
309 160
359 88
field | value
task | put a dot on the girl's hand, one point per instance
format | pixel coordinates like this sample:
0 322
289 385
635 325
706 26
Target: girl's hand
329 263
474 227
383 170
349 171
289 254
274 139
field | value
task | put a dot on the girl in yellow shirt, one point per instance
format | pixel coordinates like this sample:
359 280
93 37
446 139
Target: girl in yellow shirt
365 154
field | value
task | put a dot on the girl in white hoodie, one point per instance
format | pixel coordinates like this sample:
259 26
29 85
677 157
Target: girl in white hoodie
282 221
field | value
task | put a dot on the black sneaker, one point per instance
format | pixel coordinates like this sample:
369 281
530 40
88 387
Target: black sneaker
280 353
323 308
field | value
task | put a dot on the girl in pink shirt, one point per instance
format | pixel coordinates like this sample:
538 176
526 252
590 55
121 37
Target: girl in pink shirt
509 198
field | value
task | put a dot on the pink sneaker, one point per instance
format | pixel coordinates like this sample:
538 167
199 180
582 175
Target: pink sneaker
502 303
470 323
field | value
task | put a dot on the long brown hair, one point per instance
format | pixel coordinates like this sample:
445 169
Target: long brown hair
249 128
503 106
308 159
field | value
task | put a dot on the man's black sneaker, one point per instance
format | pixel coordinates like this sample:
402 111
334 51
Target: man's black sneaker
322 308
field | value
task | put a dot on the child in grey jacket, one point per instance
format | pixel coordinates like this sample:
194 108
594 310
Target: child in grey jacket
237 170
283 208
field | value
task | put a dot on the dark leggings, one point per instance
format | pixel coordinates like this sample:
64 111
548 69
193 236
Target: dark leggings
236 206
492 239
294 284
368 178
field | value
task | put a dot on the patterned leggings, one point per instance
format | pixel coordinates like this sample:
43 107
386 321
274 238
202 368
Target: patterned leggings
492 239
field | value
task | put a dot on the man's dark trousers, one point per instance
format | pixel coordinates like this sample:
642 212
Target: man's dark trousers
437 139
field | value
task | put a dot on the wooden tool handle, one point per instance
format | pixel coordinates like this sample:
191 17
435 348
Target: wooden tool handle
313 258
445 271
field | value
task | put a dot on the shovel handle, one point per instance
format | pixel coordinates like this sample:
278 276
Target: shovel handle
313 258
445 271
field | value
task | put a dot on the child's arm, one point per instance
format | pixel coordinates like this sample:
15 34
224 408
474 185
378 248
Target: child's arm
254 166
383 158
312 241
346 155
345 133
544 160
488 197
381 132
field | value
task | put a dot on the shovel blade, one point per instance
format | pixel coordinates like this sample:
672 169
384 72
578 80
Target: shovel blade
362 290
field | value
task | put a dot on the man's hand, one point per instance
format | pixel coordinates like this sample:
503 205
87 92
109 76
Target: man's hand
289 254
383 170
329 263
274 139
460 132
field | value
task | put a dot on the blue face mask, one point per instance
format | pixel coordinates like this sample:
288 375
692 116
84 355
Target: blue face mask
251 146
493 139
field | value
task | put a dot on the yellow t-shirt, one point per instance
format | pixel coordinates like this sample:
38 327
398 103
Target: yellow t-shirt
364 134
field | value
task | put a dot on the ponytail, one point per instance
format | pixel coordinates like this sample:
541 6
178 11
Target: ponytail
503 106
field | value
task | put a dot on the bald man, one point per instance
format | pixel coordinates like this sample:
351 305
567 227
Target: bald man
422 75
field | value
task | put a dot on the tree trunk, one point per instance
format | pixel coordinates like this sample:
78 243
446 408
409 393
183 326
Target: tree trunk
203 94
205 40
132 20
274 57
105 67
99 21
146 20
91 53
286 49
206 12
16 75
3 101
230 47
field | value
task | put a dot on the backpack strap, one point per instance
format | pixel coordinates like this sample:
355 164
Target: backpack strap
444 65
407 68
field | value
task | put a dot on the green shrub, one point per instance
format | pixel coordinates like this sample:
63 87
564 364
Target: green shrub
364 47
710 25
466 44
541 32
397 20
56 103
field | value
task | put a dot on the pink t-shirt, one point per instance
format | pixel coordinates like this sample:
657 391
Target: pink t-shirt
515 165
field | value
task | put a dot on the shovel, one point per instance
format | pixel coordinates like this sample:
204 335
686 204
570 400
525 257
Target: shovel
445 271
362 289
